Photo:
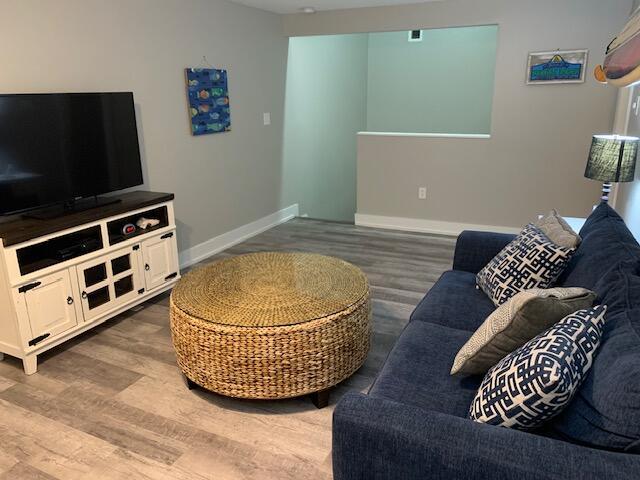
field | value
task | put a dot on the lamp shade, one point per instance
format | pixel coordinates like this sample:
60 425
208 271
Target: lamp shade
612 158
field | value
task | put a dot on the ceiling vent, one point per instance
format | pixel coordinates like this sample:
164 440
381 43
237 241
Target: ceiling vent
415 35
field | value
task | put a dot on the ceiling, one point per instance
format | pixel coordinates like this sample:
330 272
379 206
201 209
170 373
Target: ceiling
294 6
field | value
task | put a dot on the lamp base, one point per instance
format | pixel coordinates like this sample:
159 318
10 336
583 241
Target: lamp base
606 190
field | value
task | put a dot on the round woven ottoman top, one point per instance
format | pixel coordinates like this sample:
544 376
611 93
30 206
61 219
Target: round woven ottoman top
270 289
271 325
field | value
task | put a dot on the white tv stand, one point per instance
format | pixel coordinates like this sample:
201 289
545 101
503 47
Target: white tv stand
63 276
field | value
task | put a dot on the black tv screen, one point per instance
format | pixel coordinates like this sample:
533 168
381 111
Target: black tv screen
60 147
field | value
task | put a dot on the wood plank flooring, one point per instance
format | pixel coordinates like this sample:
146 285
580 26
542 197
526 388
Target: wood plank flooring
112 403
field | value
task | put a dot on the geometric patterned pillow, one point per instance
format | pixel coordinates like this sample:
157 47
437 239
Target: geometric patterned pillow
535 382
531 260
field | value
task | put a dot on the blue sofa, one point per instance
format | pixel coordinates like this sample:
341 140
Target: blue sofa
413 422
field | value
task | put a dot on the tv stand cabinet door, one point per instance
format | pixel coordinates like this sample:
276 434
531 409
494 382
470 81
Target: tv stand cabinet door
50 307
108 282
160 260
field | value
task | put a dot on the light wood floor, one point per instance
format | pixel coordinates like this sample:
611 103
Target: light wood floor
112 404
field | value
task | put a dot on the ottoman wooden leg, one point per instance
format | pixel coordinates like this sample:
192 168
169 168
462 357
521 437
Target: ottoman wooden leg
321 399
190 385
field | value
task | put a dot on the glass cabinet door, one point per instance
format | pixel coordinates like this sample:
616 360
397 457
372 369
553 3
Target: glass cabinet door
96 274
108 281
122 269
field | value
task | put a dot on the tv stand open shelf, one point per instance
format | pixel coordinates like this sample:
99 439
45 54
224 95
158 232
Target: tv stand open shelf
62 276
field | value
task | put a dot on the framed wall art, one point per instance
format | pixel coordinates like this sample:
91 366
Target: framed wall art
561 66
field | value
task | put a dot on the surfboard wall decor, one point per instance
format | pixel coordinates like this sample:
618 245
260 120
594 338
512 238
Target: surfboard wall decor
621 66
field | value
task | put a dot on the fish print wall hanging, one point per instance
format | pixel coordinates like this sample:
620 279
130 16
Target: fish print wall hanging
208 94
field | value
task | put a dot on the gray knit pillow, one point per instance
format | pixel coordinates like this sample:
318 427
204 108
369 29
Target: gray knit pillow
558 230
516 322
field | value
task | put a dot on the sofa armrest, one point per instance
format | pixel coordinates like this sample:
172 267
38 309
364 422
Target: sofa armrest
475 249
377 439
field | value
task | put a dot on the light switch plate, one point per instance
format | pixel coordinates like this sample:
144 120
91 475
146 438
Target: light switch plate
266 118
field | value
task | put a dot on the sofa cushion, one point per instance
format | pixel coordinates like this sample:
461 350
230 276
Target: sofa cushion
532 260
606 241
515 322
454 301
606 411
537 381
619 288
417 370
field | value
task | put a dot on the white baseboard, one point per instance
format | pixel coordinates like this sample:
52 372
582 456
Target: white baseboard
226 240
426 226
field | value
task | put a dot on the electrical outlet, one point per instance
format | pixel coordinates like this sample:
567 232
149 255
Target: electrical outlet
422 193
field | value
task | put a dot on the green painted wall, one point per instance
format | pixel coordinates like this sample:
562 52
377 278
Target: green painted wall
425 87
324 109
338 85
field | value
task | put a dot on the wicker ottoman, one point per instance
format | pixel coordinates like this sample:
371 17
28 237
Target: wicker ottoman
271 325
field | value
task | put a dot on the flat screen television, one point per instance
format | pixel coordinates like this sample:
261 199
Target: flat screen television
59 148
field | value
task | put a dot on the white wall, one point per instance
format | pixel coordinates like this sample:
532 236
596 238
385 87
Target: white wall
221 181
628 195
627 200
540 135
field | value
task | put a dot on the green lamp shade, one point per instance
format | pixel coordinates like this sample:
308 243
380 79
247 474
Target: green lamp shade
612 158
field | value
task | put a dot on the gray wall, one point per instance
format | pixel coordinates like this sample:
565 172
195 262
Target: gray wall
325 107
220 181
443 84
540 135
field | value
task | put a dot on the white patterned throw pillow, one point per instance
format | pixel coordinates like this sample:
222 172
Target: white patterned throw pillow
531 260
534 383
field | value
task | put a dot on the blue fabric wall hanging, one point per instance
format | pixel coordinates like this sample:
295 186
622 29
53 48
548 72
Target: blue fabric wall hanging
208 93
